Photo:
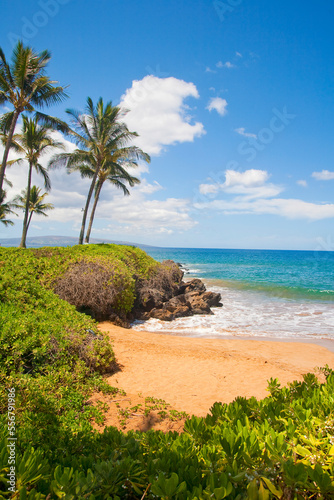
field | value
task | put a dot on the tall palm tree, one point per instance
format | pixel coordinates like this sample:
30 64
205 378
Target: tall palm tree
34 141
24 85
5 210
36 202
116 175
98 134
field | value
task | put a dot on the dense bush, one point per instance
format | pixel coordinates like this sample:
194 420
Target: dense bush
277 448
166 278
49 351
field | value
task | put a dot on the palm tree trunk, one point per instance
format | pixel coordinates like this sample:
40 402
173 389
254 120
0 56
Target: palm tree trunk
26 212
29 220
7 147
84 217
97 195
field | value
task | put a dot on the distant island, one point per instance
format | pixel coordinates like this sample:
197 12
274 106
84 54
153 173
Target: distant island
61 241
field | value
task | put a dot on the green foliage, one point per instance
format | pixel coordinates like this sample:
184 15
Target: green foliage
281 447
278 448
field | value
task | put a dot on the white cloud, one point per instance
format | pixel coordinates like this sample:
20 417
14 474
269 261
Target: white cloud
227 64
218 104
324 175
158 112
302 183
242 131
254 195
289 208
238 54
249 184
134 214
208 188
147 188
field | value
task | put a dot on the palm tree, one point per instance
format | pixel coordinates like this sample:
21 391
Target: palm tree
34 141
99 134
36 203
117 175
5 210
24 85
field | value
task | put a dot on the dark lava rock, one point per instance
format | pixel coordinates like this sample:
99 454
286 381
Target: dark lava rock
166 297
195 285
151 299
162 314
212 299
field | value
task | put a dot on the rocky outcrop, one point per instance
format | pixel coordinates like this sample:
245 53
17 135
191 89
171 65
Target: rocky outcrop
167 297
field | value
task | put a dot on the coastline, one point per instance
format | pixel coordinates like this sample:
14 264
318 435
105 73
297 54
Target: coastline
326 343
193 373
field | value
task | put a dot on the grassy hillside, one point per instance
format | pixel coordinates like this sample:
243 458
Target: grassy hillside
51 353
52 357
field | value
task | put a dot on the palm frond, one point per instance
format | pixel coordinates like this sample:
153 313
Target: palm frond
52 122
41 170
6 121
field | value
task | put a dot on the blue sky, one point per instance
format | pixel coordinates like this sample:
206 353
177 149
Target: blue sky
232 99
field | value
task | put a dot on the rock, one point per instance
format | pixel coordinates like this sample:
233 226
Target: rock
194 285
151 299
183 311
162 314
198 305
212 299
178 306
165 296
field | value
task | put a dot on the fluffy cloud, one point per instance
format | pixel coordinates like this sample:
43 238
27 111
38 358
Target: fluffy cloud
138 215
132 214
249 184
249 178
218 104
158 112
302 183
242 131
253 194
324 175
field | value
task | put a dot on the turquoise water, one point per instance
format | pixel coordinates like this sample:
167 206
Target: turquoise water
265 292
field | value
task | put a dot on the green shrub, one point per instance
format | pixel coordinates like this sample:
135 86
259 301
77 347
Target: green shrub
281 447
278 448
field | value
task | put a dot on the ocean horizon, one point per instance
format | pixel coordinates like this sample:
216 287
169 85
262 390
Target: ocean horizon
278 294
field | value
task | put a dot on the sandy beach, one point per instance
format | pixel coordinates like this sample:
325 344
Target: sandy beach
191 374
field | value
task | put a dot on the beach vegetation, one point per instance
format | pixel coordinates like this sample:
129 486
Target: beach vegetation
101 138
6 210
118 176
25 86
34 203
34 140
53 358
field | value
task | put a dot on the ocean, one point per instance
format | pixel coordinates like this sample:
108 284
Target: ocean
278 294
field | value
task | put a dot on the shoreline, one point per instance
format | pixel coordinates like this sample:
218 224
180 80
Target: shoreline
326 343
193 373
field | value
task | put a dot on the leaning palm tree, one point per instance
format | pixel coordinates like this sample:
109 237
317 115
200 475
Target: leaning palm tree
34 141
5 210
36 203
116 175
98 134
24 85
